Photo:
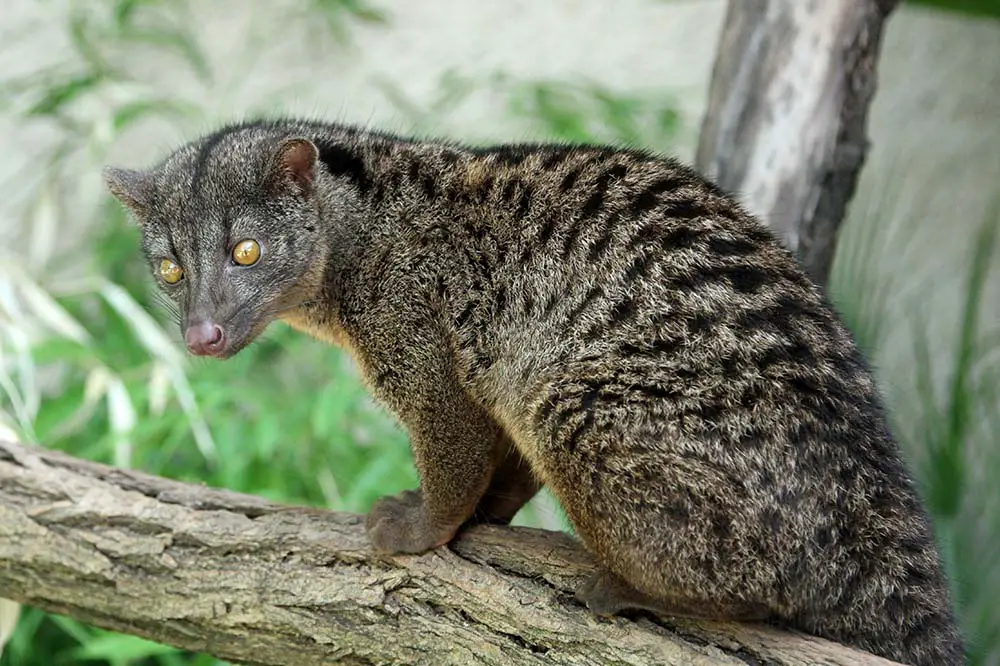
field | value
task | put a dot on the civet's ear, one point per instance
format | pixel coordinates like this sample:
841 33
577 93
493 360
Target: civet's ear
133 188
295 165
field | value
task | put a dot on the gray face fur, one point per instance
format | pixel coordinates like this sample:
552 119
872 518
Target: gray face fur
203 200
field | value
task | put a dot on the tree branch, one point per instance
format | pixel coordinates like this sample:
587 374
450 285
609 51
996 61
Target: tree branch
787 114
250 581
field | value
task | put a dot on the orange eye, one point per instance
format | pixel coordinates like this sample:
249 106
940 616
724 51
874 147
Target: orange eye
246 252
170 272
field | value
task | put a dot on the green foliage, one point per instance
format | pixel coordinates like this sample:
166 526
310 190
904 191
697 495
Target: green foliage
858 288
453 89
92 30
955 432
588 112
982 8
574 112
337 16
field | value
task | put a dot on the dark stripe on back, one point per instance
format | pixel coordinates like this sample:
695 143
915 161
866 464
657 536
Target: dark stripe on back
555 157
548 228
681 237
592 295
688 209
649 198
600 246
731 247
508 191
571 235
569 180
638 269
623 311
346 163
524 203
595 201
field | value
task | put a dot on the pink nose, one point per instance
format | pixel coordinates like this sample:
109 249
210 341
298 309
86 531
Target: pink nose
204 338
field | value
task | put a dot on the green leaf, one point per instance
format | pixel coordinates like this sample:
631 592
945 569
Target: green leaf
77 630
175 40
55 98
331 408
121 648
127 114
60 350
982 8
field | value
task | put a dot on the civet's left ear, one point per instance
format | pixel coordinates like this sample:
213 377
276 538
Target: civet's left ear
294 165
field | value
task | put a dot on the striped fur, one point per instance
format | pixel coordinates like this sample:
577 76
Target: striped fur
604 322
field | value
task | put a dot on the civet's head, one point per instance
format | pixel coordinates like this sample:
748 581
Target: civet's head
230 228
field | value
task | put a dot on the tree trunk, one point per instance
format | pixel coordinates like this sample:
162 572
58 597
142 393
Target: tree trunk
249 581
785 127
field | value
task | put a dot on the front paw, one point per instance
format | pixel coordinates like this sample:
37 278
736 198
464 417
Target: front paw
400 525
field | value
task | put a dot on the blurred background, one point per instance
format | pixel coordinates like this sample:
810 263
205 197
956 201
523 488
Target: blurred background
90 364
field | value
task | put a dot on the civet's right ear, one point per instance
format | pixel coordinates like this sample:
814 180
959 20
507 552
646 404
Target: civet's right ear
294 165
132 187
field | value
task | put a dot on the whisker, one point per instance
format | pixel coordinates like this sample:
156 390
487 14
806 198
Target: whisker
168 306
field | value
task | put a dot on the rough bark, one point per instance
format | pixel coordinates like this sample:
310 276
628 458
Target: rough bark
787 113
253 582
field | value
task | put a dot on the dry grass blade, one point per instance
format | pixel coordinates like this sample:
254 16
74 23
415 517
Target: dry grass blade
199 428
148 332
121 414
45 308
